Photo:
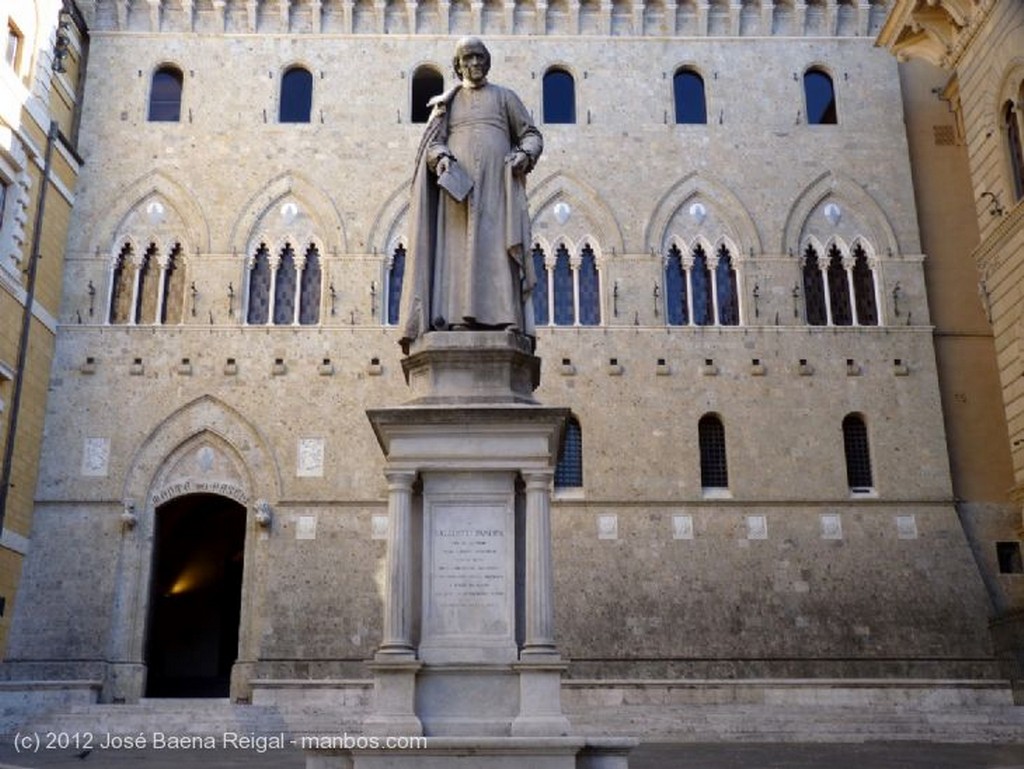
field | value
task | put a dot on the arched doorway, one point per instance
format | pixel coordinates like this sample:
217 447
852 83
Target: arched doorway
195 596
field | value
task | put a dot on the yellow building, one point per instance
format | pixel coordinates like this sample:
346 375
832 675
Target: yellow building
43 58
965 60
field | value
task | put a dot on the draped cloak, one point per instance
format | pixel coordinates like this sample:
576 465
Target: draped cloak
468 262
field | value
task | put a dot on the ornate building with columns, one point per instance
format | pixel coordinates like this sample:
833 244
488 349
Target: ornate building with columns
733 303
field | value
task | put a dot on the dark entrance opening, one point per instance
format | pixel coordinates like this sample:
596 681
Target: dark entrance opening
195 597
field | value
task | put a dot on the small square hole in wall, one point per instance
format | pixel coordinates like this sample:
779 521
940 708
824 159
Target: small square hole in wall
1009 556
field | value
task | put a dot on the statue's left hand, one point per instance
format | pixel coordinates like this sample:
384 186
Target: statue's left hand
519 161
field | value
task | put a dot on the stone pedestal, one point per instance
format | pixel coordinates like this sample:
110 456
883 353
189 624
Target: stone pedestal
468 655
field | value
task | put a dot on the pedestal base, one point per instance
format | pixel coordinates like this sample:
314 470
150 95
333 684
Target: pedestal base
485 753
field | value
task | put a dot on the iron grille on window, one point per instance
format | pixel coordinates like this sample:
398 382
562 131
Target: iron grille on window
569 471
858 455
714 471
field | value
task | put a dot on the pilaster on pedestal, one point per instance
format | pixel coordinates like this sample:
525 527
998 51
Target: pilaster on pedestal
394 690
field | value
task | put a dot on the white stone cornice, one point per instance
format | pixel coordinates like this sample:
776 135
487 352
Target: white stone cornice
937 31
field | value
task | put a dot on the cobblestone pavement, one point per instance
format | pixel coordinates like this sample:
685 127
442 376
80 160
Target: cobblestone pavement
872 755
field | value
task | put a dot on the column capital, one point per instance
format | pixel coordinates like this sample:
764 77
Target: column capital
538 480
400 480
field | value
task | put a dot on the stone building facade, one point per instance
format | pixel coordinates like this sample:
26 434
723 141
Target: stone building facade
973 51
756 483
33 97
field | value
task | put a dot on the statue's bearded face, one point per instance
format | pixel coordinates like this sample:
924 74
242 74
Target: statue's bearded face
474 64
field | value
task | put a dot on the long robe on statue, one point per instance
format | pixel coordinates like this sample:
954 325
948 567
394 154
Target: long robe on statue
469 264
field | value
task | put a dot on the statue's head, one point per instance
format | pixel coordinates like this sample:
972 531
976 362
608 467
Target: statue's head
466 46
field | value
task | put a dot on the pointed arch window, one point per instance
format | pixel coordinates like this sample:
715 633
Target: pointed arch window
858 453
815 311
565 305
569 470
396 276
714 469
690 103
820 98
122 287
149 289
284 289
700 287
173 303
590 288
676 311
165 95
147 295
309 289
259 288
559 96
541 315
864 289
1014 147
427 83
726 290
296 96
839 289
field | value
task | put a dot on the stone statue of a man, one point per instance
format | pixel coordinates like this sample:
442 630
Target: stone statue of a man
469 253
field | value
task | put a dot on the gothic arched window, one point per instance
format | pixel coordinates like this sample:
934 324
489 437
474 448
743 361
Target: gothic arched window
284 288
309 289
820 98
714 470
259 288
559 96
540 291
590 289
427 83
839 289
690 103
725 285
864 289
172 309
147 295
396 276
676 311
569 471
700 286
565 310
165 95
122 287
858 454
296 95
815 310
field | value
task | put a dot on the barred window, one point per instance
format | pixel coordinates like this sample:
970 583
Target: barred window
569 471
714 470
858 455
